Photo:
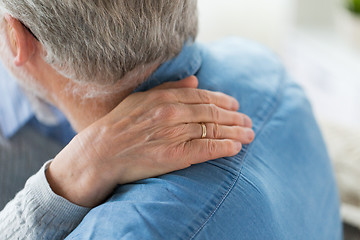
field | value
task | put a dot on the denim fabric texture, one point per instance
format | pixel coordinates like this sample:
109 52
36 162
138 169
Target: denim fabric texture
281 186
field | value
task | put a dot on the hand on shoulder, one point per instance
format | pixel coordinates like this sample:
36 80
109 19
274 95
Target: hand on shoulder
149 134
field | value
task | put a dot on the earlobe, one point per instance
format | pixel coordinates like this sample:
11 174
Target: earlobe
21 41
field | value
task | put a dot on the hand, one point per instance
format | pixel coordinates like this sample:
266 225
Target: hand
148 134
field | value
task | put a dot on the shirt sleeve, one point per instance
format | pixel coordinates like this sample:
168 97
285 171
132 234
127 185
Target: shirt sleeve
37 212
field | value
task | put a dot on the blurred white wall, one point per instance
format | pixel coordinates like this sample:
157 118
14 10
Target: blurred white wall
316 13
267 22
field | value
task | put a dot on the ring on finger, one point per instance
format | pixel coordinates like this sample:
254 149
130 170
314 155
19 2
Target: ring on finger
203 128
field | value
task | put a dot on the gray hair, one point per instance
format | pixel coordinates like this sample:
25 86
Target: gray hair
100 41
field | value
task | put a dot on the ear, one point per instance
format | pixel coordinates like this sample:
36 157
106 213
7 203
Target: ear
22 42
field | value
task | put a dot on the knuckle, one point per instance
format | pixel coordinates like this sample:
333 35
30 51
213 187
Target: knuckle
204 96
179 152
215 113
212 147
174 152
161 96
166 112
171 132
215 131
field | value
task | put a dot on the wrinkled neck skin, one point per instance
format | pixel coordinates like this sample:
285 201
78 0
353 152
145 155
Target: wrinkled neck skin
83 104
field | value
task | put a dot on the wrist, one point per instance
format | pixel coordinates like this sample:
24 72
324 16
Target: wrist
76 177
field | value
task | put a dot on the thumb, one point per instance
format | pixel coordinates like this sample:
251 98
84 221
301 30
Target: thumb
189 82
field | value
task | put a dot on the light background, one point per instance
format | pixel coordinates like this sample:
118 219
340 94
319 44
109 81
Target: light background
305 35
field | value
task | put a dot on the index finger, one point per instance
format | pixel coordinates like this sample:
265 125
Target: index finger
199 96
189 82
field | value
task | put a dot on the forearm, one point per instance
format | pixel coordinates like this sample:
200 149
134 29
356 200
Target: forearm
36 212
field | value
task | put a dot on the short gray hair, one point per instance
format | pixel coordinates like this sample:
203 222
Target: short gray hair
100 41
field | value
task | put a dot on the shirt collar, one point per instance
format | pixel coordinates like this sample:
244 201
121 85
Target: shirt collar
15 109
187 63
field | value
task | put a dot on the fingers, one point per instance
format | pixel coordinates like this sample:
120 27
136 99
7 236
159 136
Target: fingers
198 96
213 114
189 82
201 150
185 91
216 131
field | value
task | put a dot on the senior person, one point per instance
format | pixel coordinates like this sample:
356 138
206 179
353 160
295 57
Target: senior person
86 57
140 138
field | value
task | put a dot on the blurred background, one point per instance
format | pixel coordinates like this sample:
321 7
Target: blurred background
319 42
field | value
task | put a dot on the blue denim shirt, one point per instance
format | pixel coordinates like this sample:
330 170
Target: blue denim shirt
281 186
16 112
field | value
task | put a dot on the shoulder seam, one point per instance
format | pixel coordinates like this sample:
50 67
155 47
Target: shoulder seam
271 109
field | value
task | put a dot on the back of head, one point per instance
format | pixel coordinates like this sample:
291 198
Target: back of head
100 41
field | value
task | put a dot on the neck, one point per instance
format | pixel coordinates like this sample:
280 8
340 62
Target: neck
84 104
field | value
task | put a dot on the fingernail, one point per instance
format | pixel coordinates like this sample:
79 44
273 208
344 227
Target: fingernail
238 146
250 134
235 105
248 122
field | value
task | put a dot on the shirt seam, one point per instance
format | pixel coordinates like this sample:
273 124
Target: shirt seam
246 149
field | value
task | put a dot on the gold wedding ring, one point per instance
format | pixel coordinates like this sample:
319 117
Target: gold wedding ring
203 127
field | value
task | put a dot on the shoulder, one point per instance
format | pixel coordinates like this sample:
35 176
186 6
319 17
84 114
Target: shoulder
242 52
232 196
248 71
173 206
